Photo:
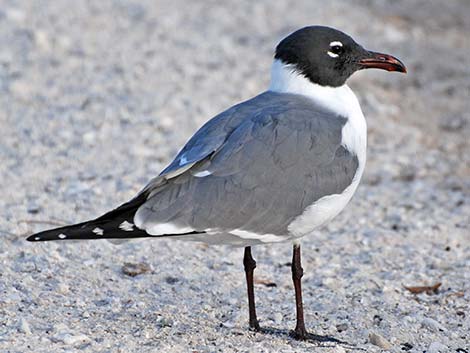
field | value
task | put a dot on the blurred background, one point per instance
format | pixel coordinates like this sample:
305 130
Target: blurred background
98 96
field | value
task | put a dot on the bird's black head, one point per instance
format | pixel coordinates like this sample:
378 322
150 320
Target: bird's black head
328 57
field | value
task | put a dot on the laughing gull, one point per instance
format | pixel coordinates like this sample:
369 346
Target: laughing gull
270 169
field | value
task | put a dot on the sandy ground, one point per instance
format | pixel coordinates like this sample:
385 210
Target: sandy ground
97 96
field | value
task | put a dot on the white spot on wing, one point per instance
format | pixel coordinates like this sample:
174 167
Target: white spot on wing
62 236
98 231
126 226
37 238
183 160
202 174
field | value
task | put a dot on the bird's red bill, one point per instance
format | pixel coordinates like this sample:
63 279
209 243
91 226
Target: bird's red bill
382 61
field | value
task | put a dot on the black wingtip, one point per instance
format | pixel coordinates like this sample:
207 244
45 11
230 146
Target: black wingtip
79 232
105 227
48 235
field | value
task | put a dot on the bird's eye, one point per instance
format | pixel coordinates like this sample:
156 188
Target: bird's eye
336 49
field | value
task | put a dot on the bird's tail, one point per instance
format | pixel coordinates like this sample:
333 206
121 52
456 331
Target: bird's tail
116 224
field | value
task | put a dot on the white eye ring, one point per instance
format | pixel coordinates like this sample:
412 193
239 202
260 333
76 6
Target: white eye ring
334 44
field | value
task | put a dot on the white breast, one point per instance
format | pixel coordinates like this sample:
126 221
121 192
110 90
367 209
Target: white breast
343 101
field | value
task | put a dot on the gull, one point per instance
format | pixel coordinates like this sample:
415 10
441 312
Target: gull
268 170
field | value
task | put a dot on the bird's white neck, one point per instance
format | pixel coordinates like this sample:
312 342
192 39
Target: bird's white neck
286 79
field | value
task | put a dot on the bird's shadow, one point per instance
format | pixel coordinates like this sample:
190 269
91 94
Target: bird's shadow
319 340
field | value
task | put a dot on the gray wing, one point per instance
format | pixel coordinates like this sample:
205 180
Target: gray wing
279 154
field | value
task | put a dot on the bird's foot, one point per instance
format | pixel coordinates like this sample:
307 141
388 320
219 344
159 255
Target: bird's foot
254 326
300 333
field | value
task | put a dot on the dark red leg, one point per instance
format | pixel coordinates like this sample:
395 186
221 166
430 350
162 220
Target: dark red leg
250 265
297 272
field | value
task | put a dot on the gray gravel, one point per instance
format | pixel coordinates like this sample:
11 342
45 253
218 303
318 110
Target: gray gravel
96 97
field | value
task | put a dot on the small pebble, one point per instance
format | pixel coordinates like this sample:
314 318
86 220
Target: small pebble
379 341
33 208
171 279
63 335
164 322
135 269
72 340
452 123
24 327
85 314
89 137
42 40
432 325
62 288
407 173
228 324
